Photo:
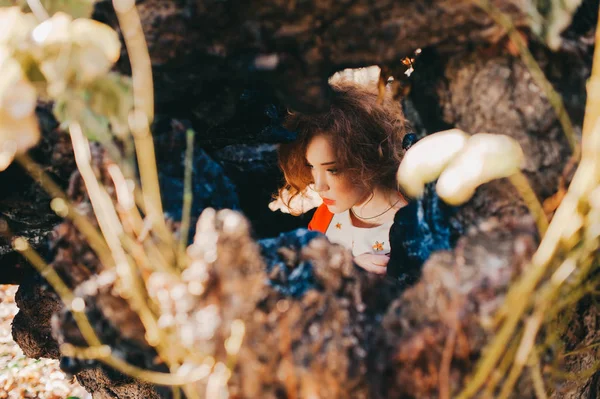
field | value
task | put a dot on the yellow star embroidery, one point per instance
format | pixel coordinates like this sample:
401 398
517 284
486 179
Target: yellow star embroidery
338 226
378 246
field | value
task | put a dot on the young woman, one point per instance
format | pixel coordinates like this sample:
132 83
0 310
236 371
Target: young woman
350 154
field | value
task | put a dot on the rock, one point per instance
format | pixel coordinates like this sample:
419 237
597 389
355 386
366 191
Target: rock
288 273
458 293
255 172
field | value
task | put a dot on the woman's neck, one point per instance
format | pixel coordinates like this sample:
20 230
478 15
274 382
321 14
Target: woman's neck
377 208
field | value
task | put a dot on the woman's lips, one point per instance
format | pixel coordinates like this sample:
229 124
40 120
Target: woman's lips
328 201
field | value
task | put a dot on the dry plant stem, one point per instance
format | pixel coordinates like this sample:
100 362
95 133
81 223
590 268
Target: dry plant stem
143 113
140 257
499 372
82 112
157 257
164 240
536 376
145 306
129 214
520 182
153 377
217 381
139 199
146 257
129 156
592 107
157 250
133 224
97 350
188 196
132 288
66 296
584 375
574 297
527 341
141 66
191 391
106 215
444 373
62 290
149 179
38 10
581 350
519 297
536 72
99 246
89 231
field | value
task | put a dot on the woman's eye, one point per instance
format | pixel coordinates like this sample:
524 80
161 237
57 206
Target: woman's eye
333 171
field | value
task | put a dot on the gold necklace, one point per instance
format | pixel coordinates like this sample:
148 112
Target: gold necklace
376 216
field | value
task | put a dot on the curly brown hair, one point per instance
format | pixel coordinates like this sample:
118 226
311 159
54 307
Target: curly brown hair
366 136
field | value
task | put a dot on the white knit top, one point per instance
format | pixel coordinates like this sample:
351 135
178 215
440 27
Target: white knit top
373 240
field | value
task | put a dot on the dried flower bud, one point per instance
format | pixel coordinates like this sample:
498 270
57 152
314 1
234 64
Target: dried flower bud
91 49
426 159
86 32
485 157
16 26
54 30
19 130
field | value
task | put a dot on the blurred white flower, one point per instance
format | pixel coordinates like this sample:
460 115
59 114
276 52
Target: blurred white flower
460 162
73 51
485 157
19 129
86 32
301 203
427 158
16 26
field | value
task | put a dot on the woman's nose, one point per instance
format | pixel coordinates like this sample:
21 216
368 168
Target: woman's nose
320 184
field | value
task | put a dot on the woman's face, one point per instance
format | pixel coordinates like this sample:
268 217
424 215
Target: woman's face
336 189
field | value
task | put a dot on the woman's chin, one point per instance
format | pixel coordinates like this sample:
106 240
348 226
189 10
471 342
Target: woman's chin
335 209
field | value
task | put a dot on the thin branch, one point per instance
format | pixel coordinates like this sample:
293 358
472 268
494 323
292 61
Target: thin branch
154 377
65 209
143 112
532 327
592 106
520 182
38 10
96 350
113 232
536 376
502 368
60 287
188 195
